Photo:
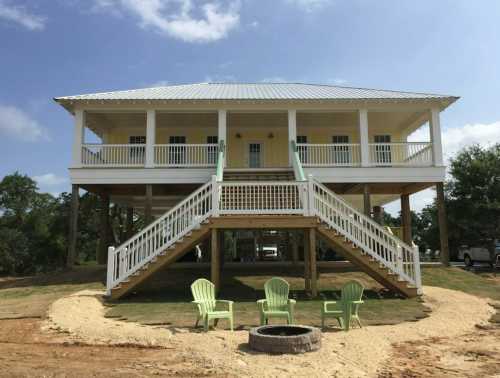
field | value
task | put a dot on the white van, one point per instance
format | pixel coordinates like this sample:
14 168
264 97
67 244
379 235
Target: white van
487 252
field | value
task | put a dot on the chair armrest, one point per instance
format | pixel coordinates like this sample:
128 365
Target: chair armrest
357 302
327 303
197 302
229 303
292 302
261 303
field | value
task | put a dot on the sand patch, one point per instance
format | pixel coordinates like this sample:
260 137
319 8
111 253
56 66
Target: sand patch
357 353
81 315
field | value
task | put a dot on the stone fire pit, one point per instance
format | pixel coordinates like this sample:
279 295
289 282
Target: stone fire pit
284 339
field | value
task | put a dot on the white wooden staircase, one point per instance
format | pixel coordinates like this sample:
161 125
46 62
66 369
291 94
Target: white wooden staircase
364 242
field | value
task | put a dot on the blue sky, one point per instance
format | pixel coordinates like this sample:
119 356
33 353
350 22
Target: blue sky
61 47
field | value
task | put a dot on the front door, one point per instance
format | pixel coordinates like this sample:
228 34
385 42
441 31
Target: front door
255 155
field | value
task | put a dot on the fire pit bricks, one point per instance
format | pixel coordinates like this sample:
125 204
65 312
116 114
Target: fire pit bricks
284 339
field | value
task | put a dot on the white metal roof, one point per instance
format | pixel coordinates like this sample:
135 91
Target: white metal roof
255 91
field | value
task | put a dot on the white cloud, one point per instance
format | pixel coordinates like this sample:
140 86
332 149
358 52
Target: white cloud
454 139
254 24
207 22
15 123
310 5
50 179
21 16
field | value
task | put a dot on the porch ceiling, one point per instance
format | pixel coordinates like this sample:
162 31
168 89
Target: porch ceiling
408 120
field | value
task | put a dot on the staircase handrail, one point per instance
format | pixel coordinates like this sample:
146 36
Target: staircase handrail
296 163
141 248
373 239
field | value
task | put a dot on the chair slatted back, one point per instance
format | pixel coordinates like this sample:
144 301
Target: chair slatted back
277 290
204 291
352 291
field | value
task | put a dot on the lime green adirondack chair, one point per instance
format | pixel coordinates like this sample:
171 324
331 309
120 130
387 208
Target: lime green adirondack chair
346 310
204 297
276 304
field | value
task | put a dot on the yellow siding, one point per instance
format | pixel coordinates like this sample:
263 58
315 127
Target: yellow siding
270 129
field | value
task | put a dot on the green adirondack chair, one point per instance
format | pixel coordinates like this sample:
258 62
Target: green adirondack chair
346 310
204 297
276 304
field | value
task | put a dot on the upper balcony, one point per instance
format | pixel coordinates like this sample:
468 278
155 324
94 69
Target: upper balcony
172 134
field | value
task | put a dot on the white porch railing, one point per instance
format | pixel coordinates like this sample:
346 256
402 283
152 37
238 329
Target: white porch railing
113 155
329 155
412 154
186 155
288 197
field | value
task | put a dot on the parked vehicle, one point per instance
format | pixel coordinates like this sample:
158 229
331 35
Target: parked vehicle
270 253
487 251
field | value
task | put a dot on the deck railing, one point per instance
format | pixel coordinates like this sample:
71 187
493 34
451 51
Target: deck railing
288 197
414 154
186 155
329 155
113 155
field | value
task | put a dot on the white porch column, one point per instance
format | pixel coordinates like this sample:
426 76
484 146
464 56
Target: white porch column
150 137
363 137
222 128
435 133
78 137
292 132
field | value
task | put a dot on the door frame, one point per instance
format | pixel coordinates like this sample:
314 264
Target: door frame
262 155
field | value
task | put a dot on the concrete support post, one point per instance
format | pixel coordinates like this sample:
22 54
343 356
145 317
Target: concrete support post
295 247
312 262
78 137
443 224
378 214
150 138
292 133
307 261
406 218
102 252
148 206
367 207
363 137
215 260
73 226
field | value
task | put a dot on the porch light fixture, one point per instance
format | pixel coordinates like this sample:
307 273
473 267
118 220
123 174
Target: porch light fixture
270 135
238 135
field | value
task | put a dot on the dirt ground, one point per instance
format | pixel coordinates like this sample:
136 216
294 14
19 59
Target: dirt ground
456 348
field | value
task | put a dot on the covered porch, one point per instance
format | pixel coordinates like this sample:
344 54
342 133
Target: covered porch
257 139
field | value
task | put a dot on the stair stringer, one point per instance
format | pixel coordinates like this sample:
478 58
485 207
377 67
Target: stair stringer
364 262
162 261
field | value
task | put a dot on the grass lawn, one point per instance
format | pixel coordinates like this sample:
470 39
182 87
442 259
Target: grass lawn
167 299
31 296
481 283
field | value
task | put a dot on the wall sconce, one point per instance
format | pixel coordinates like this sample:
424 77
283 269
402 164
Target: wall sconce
270 135
238 135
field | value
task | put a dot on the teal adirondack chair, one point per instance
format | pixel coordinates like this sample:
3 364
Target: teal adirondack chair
346 310
204 297
276 304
